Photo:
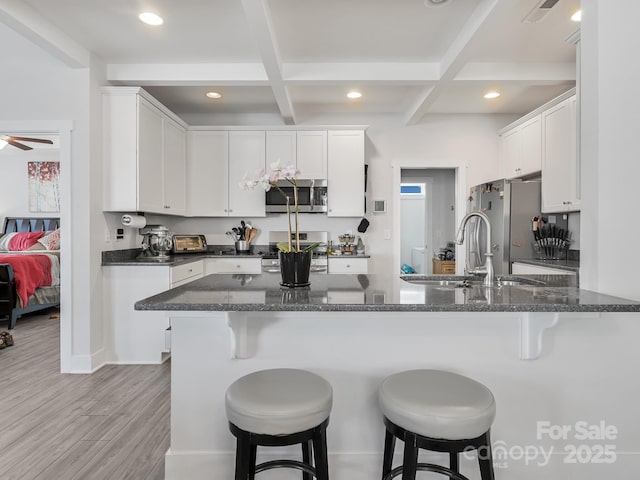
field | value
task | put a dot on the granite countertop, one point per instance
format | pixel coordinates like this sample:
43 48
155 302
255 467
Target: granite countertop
570 265
129 257
380 293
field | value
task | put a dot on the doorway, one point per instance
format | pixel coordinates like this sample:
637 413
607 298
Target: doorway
426 213
61 130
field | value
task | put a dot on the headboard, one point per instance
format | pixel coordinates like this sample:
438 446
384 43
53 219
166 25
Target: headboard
15 224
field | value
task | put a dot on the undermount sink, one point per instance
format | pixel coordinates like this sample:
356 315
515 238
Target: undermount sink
465 281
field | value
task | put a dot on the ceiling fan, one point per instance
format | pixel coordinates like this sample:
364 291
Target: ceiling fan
16 141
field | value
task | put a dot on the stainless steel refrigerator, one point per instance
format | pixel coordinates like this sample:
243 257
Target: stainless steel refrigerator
510 206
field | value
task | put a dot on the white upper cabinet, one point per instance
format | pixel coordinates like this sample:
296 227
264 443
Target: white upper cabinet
560 163
312 154
281 145
247 153
217 163
144 154
174 168
345 183
521 149
208 173
305 149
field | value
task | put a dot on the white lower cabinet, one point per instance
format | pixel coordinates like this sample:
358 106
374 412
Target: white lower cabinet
527 269
140 337
348 265
232 265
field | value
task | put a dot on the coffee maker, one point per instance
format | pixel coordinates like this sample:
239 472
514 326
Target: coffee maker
157 242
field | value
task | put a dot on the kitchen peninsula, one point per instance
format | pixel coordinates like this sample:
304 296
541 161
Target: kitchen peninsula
356 329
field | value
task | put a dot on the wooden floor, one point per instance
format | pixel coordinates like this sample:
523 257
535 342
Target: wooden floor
113 424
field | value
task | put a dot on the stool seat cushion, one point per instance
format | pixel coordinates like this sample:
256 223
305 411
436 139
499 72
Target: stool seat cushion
279 401
437 404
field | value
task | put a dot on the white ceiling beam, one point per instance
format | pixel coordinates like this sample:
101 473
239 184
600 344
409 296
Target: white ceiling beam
538 72
222 74
453 60
26 21
328 73
259 18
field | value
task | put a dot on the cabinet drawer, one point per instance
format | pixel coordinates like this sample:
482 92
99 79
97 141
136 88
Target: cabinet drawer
232 265
184 272
348 265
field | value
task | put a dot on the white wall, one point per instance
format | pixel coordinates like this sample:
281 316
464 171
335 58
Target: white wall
610 120
14 194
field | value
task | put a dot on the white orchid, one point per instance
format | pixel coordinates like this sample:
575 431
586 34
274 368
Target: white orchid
267 180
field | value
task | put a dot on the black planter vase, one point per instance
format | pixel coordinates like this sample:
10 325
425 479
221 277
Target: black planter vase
294 268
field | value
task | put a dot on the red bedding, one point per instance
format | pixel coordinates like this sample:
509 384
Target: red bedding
31 272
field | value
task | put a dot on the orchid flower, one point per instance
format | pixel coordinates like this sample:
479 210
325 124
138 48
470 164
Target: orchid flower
267 180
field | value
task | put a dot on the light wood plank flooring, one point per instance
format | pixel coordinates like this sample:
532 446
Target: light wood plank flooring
111 425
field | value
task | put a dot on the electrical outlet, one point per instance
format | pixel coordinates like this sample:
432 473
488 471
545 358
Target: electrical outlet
387 234
107 235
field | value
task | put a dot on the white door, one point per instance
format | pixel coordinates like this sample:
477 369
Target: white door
312 154
150 153
345 183
281 145
174 168
208 174
246 157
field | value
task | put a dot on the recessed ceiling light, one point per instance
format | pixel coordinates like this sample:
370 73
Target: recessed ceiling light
492 94
151 18
577 17
434 3
354 94
213 95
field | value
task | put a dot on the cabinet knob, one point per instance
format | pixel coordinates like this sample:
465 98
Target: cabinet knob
225 209
190 270
167 206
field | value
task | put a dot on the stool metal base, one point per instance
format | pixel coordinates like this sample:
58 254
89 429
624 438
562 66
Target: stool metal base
313 441
413 442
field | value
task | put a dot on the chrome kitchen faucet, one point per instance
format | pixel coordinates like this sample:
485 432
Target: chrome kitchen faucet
487 268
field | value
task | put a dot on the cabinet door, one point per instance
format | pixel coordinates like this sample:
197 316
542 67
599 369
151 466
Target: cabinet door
312 154
207 174
246 157
150 154
345 183
510 143
281 145
558 160
348 265
530 146
174 168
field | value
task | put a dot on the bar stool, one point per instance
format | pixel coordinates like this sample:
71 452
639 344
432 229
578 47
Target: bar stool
280 407
438 411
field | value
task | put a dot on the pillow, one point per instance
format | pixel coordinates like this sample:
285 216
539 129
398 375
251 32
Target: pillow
4 241
23 240
51 241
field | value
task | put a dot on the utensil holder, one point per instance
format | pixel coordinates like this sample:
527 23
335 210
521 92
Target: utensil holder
242 246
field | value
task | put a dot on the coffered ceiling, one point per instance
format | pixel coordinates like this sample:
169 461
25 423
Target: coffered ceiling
294 59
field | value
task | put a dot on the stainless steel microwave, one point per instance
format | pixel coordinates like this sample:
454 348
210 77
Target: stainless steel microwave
312 196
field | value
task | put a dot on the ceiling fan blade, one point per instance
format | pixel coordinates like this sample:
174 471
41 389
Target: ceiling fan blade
21 146
27 139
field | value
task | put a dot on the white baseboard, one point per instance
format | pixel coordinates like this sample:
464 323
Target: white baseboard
87 363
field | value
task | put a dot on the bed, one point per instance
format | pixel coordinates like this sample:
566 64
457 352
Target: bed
29 277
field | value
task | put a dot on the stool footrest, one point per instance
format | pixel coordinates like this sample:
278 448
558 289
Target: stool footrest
286 464
427 467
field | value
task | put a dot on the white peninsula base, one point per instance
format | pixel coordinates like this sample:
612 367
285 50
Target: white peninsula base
587 372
